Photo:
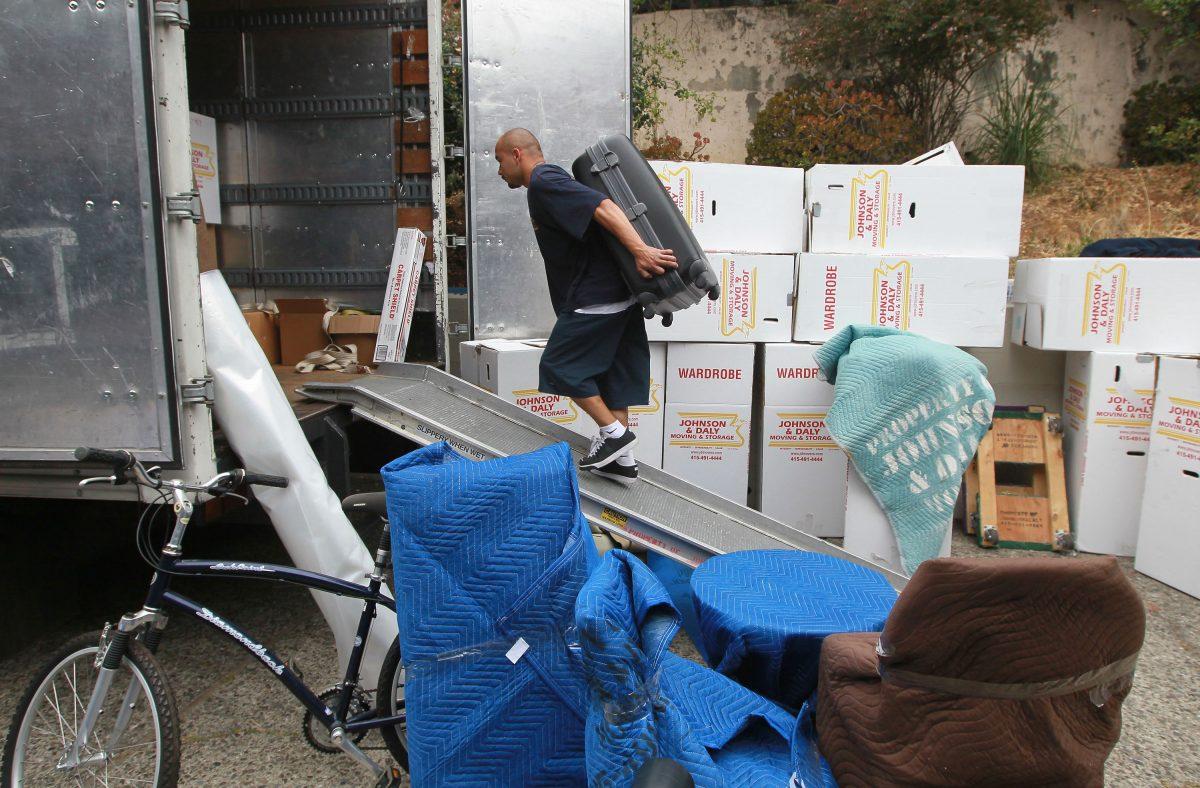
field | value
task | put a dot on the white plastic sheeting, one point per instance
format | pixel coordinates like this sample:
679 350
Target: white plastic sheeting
259 424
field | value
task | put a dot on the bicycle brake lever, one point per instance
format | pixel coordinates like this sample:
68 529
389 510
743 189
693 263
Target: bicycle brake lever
243 498
97 479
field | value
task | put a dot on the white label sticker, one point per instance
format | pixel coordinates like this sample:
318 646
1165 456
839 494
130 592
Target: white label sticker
517 651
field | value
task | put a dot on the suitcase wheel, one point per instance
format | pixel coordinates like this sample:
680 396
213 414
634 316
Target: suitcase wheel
648 312
714 292
668 319
645 298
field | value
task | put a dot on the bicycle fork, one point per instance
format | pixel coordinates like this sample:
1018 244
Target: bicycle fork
109 661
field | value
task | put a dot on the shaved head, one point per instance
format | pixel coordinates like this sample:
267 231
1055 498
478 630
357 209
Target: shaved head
520 138
517 153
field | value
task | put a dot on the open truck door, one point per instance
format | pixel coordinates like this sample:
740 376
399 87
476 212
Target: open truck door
101 342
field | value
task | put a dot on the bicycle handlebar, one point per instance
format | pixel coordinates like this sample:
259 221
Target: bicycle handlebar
119 459
265 480
123 462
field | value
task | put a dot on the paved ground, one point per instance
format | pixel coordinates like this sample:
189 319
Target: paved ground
240 727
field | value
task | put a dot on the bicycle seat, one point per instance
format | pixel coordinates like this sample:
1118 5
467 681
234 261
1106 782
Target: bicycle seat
373 503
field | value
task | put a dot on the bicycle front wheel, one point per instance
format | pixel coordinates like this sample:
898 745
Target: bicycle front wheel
135 739
390 702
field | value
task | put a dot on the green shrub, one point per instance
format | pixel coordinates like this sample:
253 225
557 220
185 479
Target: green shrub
1180 19
668 147
1161 123
922 54
833 123
1022 125
1181 143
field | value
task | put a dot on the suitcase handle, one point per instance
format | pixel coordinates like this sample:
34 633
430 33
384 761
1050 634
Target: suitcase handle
603 162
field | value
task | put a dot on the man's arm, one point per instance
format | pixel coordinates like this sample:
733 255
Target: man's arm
650 261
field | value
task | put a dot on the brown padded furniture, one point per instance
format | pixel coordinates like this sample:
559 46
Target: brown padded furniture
1000 625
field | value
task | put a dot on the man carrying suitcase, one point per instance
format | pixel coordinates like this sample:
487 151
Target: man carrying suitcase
597 353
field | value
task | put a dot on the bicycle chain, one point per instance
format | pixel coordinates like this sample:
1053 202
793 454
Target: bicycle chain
315 733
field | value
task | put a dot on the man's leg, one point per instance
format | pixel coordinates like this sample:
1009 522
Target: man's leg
612 424
581 347
627 382
598 411
626 459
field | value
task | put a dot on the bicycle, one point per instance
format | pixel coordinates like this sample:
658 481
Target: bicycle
119 695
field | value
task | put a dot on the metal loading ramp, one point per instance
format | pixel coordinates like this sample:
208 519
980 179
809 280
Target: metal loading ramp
662 512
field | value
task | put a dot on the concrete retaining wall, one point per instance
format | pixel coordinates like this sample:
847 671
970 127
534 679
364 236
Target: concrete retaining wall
1097 53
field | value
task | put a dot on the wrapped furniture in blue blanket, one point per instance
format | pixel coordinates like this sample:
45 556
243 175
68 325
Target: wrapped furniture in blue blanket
764 613
489 558
647 702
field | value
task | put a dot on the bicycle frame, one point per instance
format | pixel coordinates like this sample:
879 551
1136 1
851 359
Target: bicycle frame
171 563
160 592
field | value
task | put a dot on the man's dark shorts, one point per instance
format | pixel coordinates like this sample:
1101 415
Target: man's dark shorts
606 355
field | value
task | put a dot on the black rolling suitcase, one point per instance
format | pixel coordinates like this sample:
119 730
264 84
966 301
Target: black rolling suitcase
613 166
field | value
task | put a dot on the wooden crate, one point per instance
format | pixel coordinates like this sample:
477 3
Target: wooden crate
1016 487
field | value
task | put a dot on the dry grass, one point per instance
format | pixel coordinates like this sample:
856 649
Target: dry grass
1075 207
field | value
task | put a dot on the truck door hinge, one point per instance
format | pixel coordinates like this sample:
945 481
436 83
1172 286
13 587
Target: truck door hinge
456 240
173 12
452 61
185 205
199 391
454 152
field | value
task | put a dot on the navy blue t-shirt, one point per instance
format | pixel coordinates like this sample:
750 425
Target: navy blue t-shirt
579 268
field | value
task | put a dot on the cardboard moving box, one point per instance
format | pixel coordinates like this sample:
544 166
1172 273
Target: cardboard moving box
869 532
469 353
510 371
957 300
899 209
400 299
1108 400
1169 529
943 156
709 446
708 421
755 303
265 327
791 376
802 471
707 373
358 330
737 207
647 421
1023 375
1139 305
301 327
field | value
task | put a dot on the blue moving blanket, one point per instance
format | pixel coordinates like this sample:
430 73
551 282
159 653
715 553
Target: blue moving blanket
647 702
487 556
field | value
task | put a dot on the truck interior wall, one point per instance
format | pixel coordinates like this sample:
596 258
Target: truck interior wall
317 164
